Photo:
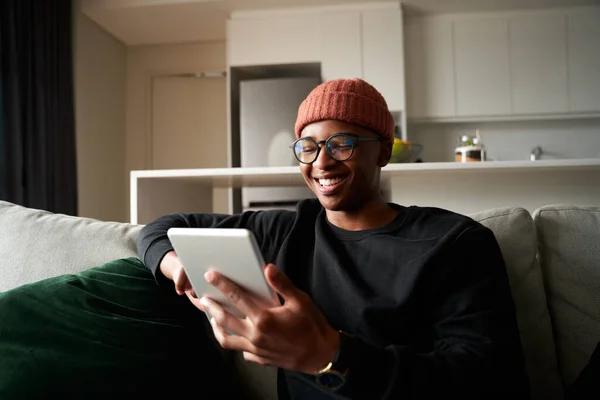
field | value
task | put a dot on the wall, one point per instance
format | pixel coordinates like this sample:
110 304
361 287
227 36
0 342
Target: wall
144 62
559 139
99 68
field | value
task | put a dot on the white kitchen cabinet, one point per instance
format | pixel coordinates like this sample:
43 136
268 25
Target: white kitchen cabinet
279 39
340 45
429 69
584 60
383 54
364 41
482 67
511 65
538 64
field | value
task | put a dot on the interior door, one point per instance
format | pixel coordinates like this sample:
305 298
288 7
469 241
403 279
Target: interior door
189 126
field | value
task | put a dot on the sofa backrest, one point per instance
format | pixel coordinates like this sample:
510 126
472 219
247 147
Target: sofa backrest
569 251
515 233
29 240
37 244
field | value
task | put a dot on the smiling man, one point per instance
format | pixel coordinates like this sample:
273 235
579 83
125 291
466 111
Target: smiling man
380 300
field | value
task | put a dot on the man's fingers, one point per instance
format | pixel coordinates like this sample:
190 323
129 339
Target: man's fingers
239 297
256 359
182 283
194 300
222 317
231 342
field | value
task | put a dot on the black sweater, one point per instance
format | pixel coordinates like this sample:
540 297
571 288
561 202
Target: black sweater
427 297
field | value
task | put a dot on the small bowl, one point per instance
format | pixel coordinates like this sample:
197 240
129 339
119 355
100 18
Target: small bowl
409 153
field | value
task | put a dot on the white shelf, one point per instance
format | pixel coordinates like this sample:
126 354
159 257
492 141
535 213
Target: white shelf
290 176
493 166
530 183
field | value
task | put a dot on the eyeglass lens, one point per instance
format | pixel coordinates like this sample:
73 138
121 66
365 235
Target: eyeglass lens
339 147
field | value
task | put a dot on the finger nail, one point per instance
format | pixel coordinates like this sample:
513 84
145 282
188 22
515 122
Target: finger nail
209 276
204 301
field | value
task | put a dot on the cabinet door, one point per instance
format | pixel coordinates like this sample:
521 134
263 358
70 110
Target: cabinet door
340 45
273 40
538 64
482 71
584 60
383 61
429 69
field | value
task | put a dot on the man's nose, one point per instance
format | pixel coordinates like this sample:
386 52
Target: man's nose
324 160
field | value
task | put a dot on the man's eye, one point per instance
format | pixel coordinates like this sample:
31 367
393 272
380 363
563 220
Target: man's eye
308 150
343 146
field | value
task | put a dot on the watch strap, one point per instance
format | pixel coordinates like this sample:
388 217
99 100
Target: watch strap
340 362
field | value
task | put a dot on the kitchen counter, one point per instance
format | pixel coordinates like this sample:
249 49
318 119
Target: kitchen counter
459 186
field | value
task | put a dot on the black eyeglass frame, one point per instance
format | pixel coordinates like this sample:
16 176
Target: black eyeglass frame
320 144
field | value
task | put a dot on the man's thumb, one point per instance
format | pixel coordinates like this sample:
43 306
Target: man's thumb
279 282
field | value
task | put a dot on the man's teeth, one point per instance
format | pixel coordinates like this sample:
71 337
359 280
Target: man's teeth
330 182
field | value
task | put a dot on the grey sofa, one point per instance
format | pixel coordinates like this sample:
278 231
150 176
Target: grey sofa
552 258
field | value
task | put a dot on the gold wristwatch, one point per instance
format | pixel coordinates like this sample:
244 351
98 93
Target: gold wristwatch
333 376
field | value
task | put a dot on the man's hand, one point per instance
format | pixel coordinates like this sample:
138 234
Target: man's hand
171 268
293 336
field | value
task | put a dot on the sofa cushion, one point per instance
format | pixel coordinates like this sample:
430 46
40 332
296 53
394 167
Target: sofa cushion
569 248
514 231
108 330
37 244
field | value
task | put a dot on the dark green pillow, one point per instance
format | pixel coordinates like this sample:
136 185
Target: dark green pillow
107 330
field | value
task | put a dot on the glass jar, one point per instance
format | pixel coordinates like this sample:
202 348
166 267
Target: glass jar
470 149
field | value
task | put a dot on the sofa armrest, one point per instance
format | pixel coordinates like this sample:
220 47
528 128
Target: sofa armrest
36 244
569 252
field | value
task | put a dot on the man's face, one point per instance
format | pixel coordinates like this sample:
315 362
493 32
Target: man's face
345 185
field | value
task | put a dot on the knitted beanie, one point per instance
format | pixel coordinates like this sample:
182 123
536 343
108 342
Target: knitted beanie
348 100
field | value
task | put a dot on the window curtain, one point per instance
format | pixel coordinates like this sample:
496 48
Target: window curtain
37 128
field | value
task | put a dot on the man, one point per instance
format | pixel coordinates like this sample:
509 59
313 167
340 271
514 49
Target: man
380 301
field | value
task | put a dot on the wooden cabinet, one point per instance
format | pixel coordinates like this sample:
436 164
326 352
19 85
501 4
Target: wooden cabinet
584 60
383 54
482 73
430 69
538 64
340 45
281 39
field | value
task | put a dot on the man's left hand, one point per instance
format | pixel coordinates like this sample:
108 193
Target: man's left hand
293 336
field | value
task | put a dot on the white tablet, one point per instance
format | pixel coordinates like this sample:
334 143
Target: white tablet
232 252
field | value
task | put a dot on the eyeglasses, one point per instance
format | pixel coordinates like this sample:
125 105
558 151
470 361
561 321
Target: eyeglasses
339 146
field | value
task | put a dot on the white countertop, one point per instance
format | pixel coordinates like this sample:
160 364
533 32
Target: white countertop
290 176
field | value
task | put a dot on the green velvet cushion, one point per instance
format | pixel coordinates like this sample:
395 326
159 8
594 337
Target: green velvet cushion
107 330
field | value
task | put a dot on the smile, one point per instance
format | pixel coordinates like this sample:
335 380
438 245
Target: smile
329 185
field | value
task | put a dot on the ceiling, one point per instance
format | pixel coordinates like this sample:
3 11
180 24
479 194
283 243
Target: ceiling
138 22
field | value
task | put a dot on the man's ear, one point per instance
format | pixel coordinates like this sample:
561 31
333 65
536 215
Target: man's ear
385 153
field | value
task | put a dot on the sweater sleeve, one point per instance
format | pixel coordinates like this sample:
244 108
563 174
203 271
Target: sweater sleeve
476 351
269 227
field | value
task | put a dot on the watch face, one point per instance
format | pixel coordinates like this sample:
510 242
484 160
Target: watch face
332 380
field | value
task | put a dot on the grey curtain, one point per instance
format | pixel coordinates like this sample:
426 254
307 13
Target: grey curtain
37 129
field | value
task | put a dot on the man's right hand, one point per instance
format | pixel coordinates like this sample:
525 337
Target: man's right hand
171 268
